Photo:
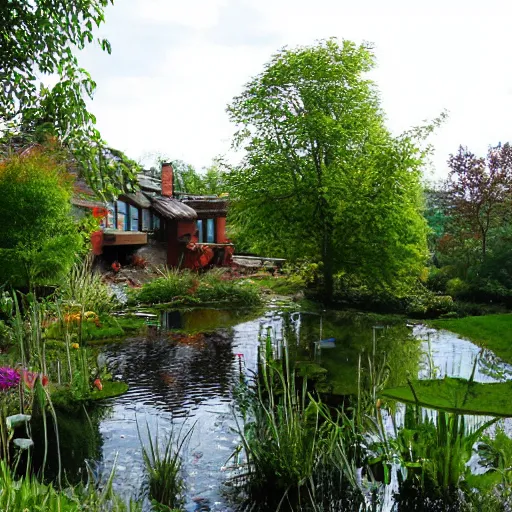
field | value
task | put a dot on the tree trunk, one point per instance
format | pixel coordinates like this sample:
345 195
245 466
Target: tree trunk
328 262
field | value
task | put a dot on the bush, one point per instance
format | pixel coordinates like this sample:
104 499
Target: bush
456 287
41 246
428 305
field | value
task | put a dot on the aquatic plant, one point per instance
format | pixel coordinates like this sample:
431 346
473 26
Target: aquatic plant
298 455
28 493
164 468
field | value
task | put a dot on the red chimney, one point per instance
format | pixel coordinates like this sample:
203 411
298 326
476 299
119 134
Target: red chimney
167 179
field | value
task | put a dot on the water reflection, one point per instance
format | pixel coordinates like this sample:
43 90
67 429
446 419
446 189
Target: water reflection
183 374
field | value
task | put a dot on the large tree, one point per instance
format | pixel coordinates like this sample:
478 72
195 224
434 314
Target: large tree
322 177
39 38
479 192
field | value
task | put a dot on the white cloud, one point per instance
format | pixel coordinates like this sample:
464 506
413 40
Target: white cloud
175 66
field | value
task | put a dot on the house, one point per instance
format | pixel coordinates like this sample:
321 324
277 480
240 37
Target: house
186 231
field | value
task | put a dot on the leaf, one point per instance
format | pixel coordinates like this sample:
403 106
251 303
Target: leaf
23 444
17 419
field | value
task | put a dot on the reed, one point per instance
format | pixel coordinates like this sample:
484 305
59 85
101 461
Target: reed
298 457
163 464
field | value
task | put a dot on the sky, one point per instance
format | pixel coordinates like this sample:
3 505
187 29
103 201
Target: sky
176 65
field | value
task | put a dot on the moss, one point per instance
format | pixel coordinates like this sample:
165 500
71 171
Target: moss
281 285
110 390
63 398
492 331
457 395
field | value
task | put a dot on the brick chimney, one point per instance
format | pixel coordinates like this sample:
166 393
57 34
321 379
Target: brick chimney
167 179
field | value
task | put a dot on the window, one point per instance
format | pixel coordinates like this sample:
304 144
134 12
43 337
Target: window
146 220
134 218
210 231
156 222
111 216
200 236
122 216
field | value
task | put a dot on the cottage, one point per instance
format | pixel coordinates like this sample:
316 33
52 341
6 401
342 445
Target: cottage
189 230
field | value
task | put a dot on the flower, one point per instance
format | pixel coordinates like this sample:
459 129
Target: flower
9 378
30 378
98 384
75 345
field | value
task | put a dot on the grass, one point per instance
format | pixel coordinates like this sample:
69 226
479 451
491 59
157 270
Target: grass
164 470
29 494
493 332
457 395
189 289
85 288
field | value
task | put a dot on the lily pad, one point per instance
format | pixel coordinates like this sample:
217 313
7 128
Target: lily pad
457 395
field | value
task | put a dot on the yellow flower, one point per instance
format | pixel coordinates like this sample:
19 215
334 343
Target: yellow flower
90 314
75 345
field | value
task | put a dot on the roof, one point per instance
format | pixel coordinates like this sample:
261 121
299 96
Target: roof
149 183
207 205
87 203
171 208
138 199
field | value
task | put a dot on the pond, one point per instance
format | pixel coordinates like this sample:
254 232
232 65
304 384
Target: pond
181 376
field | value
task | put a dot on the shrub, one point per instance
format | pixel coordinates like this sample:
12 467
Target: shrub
41 246
456 287
428 305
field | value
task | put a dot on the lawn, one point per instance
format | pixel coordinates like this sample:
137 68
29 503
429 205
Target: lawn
490 331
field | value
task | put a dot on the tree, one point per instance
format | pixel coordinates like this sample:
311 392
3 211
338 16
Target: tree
322 177
211 181
39 239
38 37
479 191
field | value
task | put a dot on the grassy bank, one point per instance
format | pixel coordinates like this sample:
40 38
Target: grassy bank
185 288
493 332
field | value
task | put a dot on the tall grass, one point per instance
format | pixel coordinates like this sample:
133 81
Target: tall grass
84 288
186 287
298 457
27 493
164 468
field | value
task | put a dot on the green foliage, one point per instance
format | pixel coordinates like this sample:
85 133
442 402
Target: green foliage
38 39
322 177
188 180
164 469
41 244
185 287
457 395
435 453
297 456
28 493
84 288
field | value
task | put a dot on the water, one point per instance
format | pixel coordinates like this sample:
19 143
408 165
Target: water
182 376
